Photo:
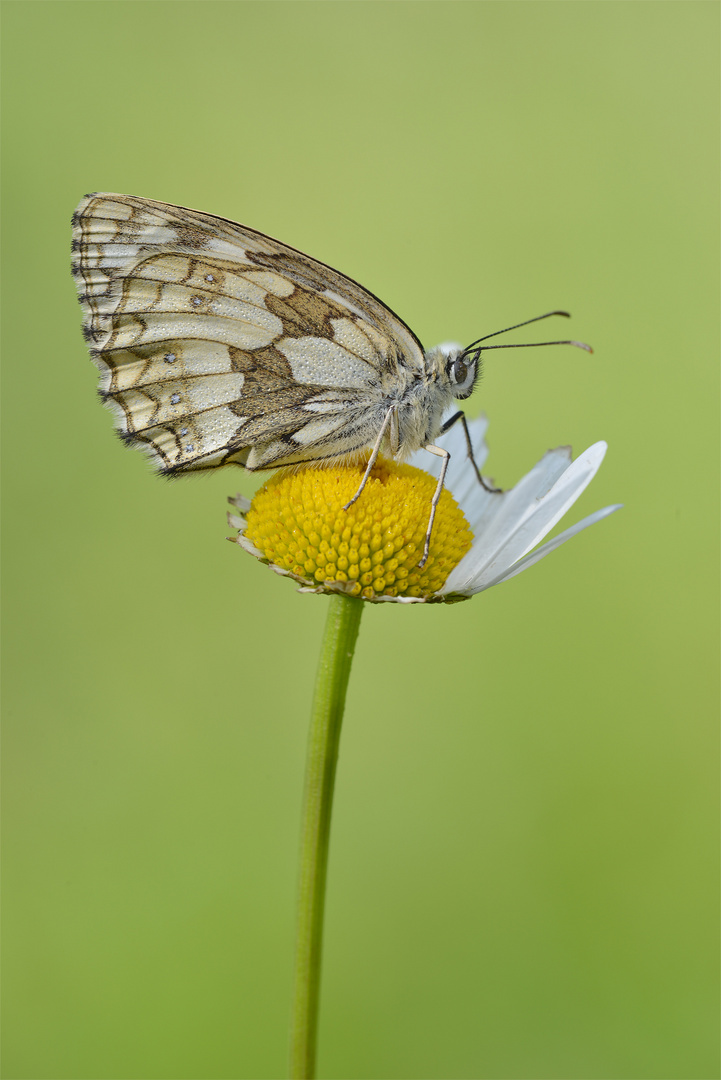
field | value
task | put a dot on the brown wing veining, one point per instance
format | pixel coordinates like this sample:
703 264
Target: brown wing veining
216 344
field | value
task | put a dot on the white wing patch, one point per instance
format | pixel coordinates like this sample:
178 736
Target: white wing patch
193 439
173 399
325 363
124 369
272 283
317 430
350 335
132 330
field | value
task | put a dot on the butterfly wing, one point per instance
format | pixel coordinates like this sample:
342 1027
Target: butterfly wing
217 344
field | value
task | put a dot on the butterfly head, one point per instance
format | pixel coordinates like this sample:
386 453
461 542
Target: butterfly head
461 368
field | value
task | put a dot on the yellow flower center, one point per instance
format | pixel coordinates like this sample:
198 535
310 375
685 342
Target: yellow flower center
372 549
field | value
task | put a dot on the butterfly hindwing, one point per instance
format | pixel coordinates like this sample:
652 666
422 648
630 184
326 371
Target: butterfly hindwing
217 344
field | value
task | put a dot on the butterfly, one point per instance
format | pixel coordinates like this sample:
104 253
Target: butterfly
218 345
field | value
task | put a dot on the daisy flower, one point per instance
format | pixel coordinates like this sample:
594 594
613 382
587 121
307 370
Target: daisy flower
296 523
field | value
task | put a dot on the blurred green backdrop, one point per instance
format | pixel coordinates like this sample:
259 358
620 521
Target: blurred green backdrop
523 868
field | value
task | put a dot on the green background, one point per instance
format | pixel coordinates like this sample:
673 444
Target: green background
523 865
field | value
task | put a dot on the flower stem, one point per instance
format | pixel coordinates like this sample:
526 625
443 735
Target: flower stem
341 631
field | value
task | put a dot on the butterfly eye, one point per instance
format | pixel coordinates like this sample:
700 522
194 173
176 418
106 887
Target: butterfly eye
462 376
459 371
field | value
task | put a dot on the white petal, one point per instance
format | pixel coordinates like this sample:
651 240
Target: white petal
252 549
494 514
524 516
240 502
546 549
492 517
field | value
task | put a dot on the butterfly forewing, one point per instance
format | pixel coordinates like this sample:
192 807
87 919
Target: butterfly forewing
217 344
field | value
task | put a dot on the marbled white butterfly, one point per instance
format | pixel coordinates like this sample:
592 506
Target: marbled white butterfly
217 345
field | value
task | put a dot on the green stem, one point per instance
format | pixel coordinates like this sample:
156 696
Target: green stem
341 631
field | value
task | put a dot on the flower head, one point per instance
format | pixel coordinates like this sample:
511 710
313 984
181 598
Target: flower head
296 523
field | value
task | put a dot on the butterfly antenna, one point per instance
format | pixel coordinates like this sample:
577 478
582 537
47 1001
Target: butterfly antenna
530 344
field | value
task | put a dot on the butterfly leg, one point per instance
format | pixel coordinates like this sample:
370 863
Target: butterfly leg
436 498
387 419
469 446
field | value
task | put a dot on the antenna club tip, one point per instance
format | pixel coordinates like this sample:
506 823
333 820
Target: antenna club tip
566 314
581 345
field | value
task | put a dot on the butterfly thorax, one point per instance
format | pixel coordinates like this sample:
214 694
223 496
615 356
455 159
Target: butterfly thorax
421 397
420 412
